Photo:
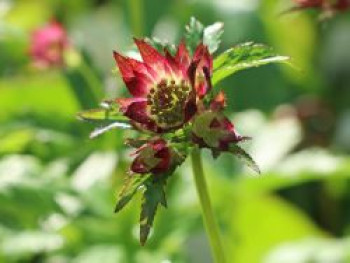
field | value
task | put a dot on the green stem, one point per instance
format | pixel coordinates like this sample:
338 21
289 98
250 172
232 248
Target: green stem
91 78
209 220
136 16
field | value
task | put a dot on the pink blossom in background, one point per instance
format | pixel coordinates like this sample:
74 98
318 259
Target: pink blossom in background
47 45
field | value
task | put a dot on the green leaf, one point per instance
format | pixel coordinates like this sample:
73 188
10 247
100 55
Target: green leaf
131 185
212 36
244 56
244 157
196 33
102 116
161 45
108 118
152 197
98 131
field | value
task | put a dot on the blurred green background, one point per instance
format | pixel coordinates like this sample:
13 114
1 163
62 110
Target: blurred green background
58 188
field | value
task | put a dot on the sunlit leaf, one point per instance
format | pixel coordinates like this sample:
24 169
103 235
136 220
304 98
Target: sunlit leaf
196 33
244 56
115 125
161 45
152 197
131 185
212 36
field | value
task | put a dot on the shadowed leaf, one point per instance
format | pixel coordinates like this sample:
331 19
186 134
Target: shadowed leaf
131 185
244 157
152 197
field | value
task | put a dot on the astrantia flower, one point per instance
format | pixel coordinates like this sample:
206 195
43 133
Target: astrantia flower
48 45
211 129
165 88
155 157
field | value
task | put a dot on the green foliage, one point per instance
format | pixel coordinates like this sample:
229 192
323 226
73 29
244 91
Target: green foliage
107 118
244 56
197 33
298 207
131 185
153 196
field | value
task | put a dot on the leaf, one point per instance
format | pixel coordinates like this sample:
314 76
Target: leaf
197 33
152 197
244 56
161 45
194 33
109 118
244 157
131 185
212 36
102 116
98 131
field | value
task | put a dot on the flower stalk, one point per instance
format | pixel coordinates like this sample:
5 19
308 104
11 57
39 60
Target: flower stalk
208 215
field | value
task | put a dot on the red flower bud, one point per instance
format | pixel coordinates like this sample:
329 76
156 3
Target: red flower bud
155 157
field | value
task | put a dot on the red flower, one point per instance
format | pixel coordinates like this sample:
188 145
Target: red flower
47 45
165 88
211 129
155 157
330 5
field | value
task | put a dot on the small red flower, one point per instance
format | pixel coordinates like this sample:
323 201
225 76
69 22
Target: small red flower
47 45
211 129
154 157
309 3
330 5
165 88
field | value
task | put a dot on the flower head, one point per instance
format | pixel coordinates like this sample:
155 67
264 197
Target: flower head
155 157
48 45
165 88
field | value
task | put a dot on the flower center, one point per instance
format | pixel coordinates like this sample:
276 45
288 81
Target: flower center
167 101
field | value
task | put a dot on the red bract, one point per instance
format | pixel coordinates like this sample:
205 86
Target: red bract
211 129
165 88
47 45
153 157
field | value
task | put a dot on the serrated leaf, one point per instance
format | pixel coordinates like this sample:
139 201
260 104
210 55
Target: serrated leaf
194 33
152 197
212 35
244 56
244 157
161 45
131 185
